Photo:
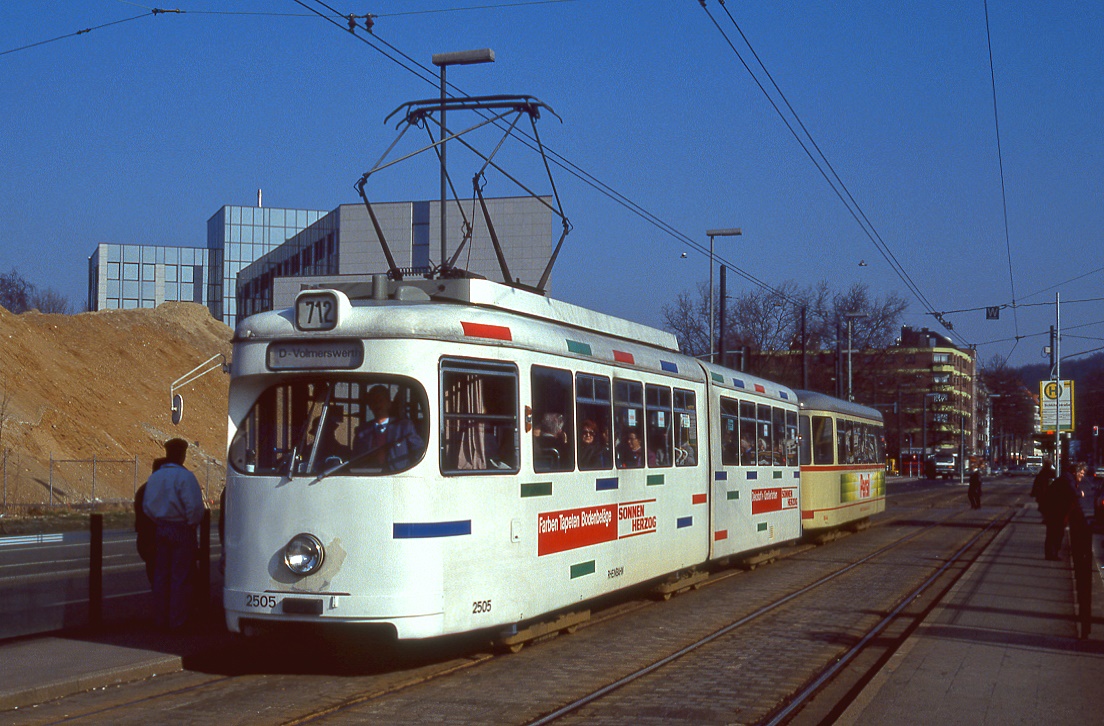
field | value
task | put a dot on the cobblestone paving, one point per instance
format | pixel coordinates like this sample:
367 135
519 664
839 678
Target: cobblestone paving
739 678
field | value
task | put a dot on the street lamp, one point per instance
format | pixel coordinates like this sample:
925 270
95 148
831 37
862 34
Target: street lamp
851 317
443 60
732 232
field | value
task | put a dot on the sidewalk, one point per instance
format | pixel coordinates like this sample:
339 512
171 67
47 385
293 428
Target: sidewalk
1001 649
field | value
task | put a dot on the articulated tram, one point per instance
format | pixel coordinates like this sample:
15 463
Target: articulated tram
434 457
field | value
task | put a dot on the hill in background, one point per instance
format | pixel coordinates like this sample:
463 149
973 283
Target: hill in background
91 393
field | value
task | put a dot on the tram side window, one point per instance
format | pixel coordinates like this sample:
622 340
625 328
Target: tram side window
806 441
685 428
778 424
730 432
764 438
790 445
879 444
658 408
479 419
748 426
594 412
628 424
823 441
846 447
552 429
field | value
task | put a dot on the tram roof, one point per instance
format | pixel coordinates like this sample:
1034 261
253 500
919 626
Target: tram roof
812 400
492 295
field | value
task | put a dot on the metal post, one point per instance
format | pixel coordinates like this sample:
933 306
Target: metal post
733 232
5 478
724 311
93 480
444 172
95 572
135 491
51 480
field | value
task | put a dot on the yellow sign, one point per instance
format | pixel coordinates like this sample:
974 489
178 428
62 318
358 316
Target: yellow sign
1056 405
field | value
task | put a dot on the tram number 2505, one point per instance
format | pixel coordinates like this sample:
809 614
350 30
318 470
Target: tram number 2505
481 606
260 601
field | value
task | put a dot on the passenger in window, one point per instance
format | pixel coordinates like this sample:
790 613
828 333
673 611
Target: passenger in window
593 453
747 452
387 441
657 449
550 440
630 455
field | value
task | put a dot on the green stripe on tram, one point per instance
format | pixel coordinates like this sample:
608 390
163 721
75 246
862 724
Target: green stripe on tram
717 378
777 475
582 569
654 480
761 527
574 346
536 489
733 495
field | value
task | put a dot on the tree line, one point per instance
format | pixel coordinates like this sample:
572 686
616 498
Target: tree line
18 295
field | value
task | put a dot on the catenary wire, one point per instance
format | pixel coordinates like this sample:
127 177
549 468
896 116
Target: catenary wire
850 202
1000 164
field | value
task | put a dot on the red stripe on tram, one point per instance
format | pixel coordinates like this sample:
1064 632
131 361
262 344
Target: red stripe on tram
482 330
623 357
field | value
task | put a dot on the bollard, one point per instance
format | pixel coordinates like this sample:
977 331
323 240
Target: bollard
205 561
95 572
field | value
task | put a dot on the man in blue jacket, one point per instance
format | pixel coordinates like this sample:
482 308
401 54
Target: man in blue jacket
174 502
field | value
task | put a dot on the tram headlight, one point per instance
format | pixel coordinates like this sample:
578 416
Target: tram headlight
304 554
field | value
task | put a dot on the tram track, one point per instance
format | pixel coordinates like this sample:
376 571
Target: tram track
358 695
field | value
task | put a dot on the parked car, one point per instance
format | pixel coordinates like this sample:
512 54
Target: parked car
1018 471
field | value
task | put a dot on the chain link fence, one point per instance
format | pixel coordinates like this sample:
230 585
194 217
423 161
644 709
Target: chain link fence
86 483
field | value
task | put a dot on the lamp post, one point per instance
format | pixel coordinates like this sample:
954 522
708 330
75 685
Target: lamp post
851 317
443 60
732 232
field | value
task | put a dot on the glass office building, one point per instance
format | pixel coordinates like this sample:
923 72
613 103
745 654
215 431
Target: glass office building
144 276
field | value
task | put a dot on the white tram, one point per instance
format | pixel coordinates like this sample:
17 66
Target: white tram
528 455
842 462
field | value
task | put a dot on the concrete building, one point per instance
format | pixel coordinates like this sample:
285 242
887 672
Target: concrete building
250 247
122 276
344 242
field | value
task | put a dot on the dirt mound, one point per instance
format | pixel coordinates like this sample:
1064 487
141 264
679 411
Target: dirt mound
85 404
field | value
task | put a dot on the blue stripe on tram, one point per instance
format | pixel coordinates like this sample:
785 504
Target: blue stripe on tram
425 530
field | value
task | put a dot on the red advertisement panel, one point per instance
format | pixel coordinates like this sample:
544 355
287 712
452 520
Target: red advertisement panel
572 528
569 529
773 500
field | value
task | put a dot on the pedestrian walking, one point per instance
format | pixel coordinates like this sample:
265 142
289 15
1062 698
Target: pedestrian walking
174 501
1041 483
1063 494
973 493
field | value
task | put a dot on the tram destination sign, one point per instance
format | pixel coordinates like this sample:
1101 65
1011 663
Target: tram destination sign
301 355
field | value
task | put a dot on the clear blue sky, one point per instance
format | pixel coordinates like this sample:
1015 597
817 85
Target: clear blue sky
138 132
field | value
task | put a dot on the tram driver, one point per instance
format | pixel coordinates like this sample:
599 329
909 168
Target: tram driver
388 442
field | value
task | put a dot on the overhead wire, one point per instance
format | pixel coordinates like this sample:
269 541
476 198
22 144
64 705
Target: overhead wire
845 196
1000 163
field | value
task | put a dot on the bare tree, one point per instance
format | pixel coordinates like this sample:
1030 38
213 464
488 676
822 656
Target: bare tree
15 292
50 301
688 319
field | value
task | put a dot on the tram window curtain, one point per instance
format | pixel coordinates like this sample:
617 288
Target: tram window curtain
479 417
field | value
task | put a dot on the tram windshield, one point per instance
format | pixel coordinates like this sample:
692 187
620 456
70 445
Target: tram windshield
354 424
